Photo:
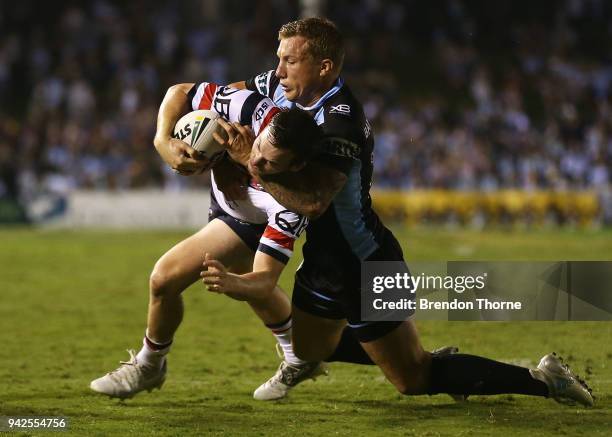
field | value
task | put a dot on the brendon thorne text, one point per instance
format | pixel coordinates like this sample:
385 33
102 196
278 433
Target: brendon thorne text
454 304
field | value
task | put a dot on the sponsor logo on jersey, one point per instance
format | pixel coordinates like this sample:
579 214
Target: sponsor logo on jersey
340 147
261 110
285 220
342 109
222 101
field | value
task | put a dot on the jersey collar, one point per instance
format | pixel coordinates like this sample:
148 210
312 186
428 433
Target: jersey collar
333 90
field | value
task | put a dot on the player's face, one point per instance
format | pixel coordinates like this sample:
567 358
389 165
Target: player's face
268 159
299 74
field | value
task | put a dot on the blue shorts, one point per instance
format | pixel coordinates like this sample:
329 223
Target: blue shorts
335 293
250 233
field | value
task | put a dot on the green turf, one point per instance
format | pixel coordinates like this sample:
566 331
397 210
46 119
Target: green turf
71 302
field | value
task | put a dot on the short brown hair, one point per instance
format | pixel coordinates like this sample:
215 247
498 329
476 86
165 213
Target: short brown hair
295 130
324 38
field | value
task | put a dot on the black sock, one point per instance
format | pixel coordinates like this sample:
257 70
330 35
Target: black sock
472 375
349 350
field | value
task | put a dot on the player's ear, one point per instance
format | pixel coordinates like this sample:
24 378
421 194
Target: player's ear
327 67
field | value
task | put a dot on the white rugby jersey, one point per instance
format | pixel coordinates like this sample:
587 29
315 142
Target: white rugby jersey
250 108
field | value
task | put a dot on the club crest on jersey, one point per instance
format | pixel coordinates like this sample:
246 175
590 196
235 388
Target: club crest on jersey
262 83
340 109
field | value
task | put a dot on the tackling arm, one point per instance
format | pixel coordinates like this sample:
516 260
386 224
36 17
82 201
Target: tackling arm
308 191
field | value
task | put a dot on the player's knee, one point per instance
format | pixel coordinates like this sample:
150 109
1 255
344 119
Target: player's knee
157 282
160 282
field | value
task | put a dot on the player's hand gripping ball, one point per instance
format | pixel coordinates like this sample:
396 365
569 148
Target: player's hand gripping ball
196 129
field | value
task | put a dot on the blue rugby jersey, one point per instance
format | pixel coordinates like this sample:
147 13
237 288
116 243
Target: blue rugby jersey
349 231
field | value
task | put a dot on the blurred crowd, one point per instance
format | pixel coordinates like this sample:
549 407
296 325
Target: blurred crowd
503 96
468 95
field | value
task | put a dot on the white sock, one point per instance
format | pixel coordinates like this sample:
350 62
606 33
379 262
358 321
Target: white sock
283 336
149 356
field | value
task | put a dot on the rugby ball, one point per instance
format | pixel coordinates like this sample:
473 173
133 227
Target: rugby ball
196 129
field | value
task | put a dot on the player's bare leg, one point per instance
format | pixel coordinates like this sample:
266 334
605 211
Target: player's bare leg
401 358
414 371
315 338
274 308
310 338
180 267
173 273
275 311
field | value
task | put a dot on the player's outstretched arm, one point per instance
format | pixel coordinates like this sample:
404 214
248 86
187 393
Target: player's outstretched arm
249 286
176 153
308 192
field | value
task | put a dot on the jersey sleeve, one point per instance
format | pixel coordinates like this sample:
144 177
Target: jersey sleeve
284 227
264 83
242 106
344 131
339 163
338 153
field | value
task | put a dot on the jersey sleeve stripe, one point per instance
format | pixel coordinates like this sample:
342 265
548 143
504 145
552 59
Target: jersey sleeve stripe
195 102
191 94
279 237
273 83
207 98
282 257
269 117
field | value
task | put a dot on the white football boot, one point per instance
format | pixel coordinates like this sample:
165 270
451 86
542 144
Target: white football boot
564 386
286 377
129 379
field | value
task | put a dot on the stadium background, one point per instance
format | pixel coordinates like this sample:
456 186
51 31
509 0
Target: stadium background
492 126
501 109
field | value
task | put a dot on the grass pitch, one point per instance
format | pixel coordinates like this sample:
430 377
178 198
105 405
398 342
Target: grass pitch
72 302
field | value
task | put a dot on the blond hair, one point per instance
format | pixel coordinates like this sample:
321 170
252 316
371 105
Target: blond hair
324 39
